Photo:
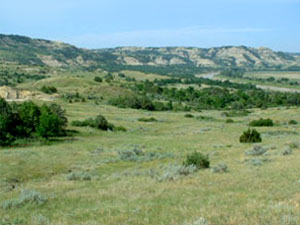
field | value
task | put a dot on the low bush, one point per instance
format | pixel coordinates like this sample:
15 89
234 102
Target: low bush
250 136
205 118
220 168
119 128
174 172
197 159
189 115
26 197
98 79
287 151
280 133
293 122
81 176
256 150
294 145
261 123
135 102
151 119
229 121
236 113
257 161
99 122
49 89
138 155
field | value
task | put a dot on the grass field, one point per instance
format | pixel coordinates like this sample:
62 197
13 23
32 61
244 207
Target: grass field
277 74
268 85
255 190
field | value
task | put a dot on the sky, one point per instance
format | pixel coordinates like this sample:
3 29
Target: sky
194 23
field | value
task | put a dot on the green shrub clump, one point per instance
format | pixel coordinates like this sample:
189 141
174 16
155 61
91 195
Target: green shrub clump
189 115
262 123
250 136
49 89
151 119
293 122
99 122
229 121
197 159
98 79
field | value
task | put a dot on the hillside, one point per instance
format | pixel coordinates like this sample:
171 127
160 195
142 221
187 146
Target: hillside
27 51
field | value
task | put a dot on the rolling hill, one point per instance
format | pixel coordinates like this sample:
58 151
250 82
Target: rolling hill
28 51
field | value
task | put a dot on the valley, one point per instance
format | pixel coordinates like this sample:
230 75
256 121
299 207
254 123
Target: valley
153 135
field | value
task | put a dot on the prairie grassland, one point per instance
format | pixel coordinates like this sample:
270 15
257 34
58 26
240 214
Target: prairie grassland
135 192
143 76
276 74
268 85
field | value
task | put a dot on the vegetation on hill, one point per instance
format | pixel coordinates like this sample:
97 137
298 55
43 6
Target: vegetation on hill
166 61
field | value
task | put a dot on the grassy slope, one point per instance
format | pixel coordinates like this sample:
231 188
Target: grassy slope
293 76
267 194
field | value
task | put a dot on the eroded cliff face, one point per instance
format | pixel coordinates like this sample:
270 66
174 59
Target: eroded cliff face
14 94
240 56
24 50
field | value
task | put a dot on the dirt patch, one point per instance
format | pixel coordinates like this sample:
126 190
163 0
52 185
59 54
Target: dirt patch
13 94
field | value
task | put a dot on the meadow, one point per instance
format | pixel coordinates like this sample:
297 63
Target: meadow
82 179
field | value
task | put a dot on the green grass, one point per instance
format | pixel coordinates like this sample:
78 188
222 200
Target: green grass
123 192
293 76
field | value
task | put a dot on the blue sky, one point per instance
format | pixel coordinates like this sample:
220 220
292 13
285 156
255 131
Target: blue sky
110 23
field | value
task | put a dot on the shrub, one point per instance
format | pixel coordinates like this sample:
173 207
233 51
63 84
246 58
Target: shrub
26 197
151 119
78 123
257 161
189 115
262 123
257 150
236 113
294 145
287 151
220 168
99 122
173 172
119 128
197 159
250 136
49 89
229 121
138 155
135 102
79 176
293 122
98 79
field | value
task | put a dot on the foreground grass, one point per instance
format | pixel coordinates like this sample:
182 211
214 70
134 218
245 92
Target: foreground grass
123 192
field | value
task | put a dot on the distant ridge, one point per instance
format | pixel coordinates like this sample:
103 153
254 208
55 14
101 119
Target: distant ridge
28 51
